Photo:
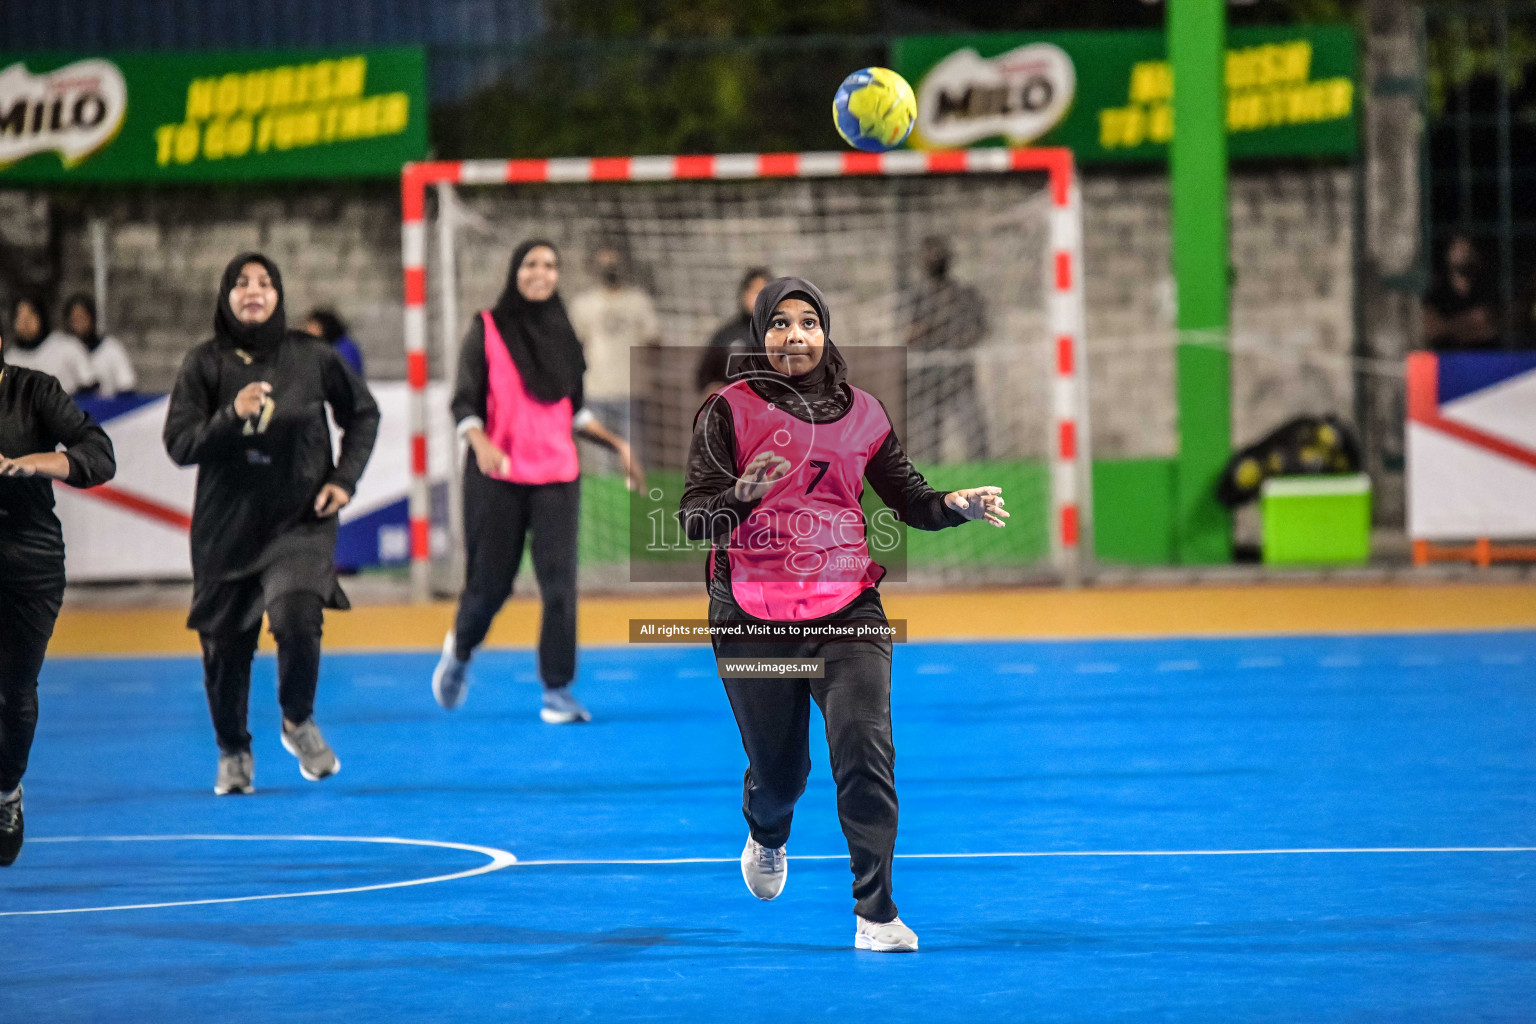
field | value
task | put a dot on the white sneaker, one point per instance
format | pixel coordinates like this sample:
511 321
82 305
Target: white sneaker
764 869
891 937
450 680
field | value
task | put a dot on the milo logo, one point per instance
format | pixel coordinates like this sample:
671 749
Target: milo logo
1020 95
74 110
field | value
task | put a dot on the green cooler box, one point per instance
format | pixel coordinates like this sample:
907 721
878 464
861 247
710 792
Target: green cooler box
1312 520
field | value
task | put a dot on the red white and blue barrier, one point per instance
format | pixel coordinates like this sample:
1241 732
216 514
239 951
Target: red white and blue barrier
1472 455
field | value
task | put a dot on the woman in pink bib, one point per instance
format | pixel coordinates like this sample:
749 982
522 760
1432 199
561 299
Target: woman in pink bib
775 476
518 403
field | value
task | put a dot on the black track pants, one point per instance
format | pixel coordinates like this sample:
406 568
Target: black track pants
297 620
774 718
26 625
499 518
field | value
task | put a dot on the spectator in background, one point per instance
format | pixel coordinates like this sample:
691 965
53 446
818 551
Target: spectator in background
109 358
324 323
611 319
735 335
1459 309
944 317
56 353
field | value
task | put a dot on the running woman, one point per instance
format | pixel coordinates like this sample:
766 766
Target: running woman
249 411
517 401
786 444
36 417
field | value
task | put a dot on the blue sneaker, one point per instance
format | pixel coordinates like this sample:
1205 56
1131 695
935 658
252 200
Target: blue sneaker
562 708
450 680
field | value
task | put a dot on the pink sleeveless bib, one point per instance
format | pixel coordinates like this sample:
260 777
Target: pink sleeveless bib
535 435
802 554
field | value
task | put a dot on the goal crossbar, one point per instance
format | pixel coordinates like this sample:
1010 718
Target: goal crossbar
1068 448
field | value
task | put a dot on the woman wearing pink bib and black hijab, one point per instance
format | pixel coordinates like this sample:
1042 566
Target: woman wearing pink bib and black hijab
517 401
786 445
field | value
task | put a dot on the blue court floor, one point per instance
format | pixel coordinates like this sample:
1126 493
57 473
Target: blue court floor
1296 829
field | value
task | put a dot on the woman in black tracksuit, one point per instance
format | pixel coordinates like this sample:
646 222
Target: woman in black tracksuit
36 417
249 410
774 479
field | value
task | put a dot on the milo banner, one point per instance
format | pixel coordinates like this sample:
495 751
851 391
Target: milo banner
211 117
1109 95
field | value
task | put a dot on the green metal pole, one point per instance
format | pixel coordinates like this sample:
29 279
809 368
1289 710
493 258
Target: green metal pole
1197 32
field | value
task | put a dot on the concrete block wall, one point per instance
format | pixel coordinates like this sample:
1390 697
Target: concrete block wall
1292 304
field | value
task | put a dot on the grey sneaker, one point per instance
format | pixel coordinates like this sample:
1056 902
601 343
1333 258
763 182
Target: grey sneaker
13 828
891 937
316 759
562 708
765 869
236 774
450 680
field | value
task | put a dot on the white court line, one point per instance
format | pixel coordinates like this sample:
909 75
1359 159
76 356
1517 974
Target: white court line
1059 853
499 859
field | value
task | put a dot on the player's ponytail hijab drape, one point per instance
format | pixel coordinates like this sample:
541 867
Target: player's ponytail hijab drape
825 377
538 335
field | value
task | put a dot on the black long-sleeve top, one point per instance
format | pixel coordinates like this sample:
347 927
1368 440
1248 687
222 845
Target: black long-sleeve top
36 416
709 501
471 385
256 485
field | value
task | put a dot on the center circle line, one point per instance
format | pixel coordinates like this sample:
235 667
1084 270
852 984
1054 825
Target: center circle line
498 859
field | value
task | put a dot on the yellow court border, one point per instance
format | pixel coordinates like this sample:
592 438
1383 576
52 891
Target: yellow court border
1035 613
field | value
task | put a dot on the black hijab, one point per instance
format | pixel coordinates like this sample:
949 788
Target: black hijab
823 384
91 338
257 339
538 335
12 338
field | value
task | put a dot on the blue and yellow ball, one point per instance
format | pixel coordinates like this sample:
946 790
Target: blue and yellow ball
874 110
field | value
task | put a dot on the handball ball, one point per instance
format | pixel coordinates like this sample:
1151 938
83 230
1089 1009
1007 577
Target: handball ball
874 110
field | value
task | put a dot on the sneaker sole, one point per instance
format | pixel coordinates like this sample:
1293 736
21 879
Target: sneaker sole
562 717
234 791
335 764
865 942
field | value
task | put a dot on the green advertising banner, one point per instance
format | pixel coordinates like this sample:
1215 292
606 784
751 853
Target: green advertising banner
1109 95
211 117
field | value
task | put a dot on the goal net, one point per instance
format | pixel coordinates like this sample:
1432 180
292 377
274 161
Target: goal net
951 282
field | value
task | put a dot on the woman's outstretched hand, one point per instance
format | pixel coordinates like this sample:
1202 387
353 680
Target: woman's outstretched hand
979 503
634 475
765 470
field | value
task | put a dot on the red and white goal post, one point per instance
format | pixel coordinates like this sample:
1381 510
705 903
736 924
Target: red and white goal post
1056 329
